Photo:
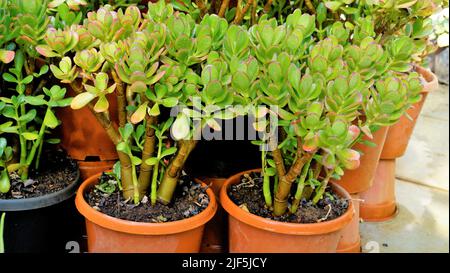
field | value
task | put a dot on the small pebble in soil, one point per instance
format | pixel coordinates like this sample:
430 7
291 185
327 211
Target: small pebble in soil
189 199
248 194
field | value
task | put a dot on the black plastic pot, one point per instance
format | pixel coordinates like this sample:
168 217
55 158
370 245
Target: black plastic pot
47 223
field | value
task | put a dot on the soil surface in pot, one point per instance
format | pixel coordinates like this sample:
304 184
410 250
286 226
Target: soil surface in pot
190 198
57 171
248 193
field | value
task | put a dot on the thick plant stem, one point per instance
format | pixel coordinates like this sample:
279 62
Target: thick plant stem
322 188
126 170
285 183
300 187
173 171
277 157
125 160
253 12
241 13
268 6
147 152
223 7
121 100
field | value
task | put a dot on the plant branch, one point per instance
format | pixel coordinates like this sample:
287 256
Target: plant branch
268 6
173 171
202 7
147 152
253 12
125 160
241 13
223 7
121 100
277 157
284 186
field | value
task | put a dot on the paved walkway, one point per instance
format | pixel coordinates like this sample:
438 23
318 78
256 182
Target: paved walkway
422 188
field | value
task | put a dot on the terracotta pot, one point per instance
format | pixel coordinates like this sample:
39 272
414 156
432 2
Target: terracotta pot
399 134
89 168
252 233
350 241
360 179
379 201
82 136
214 236
109 234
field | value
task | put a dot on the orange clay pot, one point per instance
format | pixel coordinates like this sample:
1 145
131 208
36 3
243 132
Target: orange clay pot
252 233
350 241
109 234
89 168
81 134
360 179
214 236
399 134
379 201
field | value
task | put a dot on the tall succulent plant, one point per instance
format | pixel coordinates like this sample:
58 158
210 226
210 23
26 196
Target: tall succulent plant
151 62
340 88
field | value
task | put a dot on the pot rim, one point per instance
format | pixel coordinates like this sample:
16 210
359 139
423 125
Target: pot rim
282 227
431 80
142 228
43 201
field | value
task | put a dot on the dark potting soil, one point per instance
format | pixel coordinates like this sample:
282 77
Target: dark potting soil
190 198
57 171
248 194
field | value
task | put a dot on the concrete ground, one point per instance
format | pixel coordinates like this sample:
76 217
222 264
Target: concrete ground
422 188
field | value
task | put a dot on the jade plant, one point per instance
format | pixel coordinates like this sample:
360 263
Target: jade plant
149 63
328 94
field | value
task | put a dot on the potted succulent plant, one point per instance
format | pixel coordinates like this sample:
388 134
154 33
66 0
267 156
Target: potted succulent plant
415 28
150 62
402 28
79 128
34 189
343 91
